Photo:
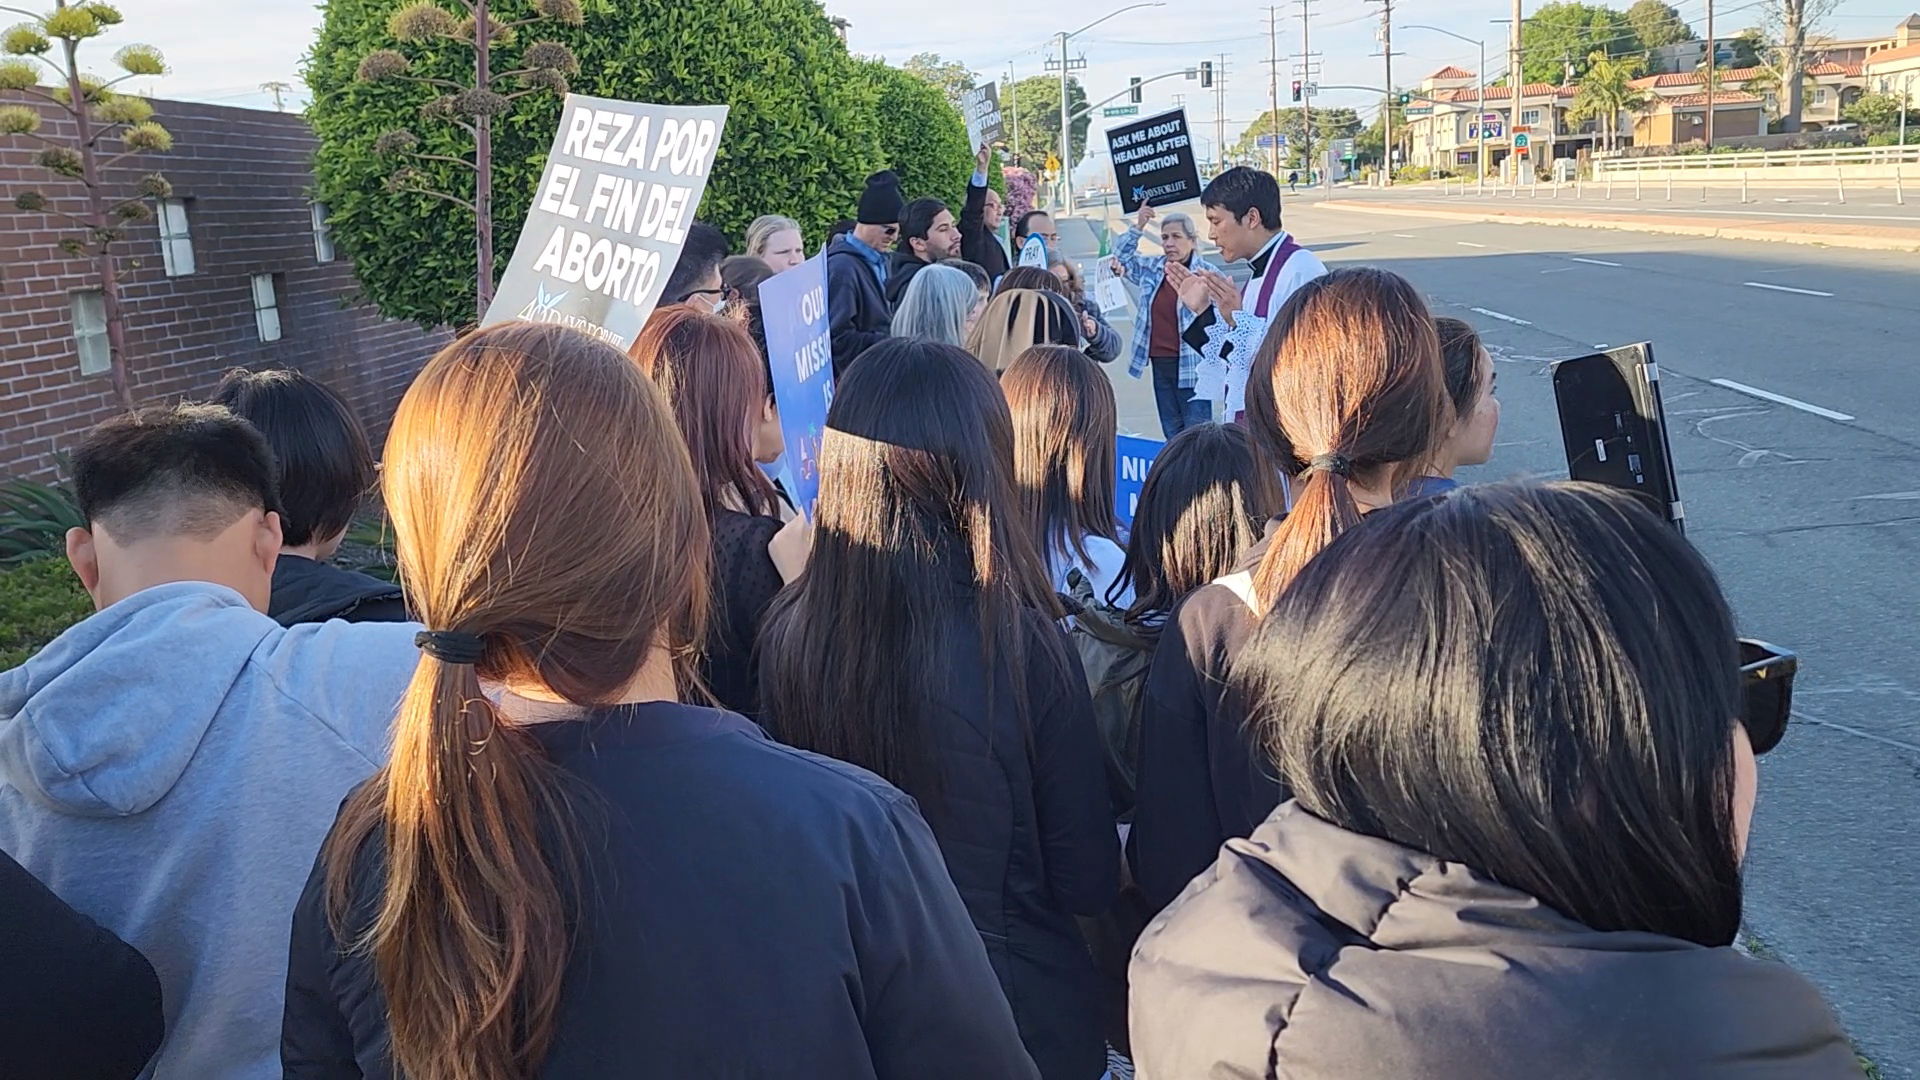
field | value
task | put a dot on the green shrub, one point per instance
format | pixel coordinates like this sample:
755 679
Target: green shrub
34 519
921 135
38 601
800 136
1412 174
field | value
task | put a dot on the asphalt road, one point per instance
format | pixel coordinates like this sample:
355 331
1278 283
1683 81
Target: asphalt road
1809 510
1858 204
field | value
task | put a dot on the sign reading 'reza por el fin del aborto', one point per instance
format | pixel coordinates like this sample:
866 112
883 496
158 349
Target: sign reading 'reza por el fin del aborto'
615 201
1153 161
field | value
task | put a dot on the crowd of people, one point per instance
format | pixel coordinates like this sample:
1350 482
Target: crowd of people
1323 766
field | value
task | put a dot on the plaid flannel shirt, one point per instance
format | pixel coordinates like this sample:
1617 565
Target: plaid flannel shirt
1148 271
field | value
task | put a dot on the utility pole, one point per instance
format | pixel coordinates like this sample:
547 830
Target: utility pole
1066 128
276 88
1713 65
1220 111
1273 84
1386 109
1013 111
1306 73
1517 82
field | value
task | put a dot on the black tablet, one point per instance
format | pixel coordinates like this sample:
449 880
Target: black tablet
1615 428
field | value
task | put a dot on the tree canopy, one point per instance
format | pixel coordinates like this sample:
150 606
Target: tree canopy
1032 106
1335 123
1558 40
950 77
1657 23
799 139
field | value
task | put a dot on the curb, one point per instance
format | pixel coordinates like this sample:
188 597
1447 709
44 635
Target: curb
1747 232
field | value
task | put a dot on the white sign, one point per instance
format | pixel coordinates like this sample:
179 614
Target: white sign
615 201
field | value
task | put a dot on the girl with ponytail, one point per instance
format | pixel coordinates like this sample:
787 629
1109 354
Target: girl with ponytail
1348 396
563 871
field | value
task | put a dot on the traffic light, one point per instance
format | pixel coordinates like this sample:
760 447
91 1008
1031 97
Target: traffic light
1296 89
1406 100
1206 74
1133 93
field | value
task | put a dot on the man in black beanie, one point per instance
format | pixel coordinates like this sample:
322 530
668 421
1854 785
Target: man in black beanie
857 310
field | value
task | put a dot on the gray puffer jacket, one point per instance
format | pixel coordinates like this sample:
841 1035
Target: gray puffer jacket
1312 953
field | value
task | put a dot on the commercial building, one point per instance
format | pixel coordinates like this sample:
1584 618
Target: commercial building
1445 118
236 268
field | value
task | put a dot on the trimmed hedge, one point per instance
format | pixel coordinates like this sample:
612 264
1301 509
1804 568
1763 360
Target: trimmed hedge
922 136
799 140
38 601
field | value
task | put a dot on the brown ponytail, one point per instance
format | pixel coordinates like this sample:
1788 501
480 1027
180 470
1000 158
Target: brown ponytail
544 504
1348 385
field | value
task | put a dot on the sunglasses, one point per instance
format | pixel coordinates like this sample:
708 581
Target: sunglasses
1766 677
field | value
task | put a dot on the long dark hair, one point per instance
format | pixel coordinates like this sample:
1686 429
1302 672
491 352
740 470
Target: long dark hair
543 503
1538 682
1205 501
917 520
1347 383
1064 423
716 379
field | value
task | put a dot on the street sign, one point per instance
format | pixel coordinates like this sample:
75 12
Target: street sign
1270 142
1120 110
1053 162
1521 140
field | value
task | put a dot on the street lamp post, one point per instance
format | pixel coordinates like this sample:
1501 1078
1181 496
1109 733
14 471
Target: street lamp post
1066 123
1480 106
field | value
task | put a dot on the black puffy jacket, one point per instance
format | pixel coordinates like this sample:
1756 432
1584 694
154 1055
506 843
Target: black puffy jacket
1313 953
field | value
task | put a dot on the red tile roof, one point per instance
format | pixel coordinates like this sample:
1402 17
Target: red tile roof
1452 73
1844 70
1534 90
1905 52
1694 78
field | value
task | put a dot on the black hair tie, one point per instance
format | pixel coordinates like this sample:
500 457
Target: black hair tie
1337 464
450 646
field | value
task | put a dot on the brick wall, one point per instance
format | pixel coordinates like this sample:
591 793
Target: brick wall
246 176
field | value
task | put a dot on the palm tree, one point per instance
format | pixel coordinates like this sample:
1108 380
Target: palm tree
1606 91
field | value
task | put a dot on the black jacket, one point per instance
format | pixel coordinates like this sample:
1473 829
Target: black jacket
1315 953
858 316
752 910
744 583
1202 779
901 267
305 591
76 1002
1028 833
978 244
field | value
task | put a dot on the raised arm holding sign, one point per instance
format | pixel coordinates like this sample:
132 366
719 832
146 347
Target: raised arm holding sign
615 201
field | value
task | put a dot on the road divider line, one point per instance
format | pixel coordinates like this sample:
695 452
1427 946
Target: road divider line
1511 319
1469 243
1784 288
1778 399
1595 262
1403 236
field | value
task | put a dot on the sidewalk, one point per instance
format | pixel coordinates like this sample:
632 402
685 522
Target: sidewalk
1827 233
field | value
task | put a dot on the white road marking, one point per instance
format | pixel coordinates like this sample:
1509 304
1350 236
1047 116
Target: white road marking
1507 318
1781 399
1469 243
1784 288
1594 262
1559 270
1403 236
1902 496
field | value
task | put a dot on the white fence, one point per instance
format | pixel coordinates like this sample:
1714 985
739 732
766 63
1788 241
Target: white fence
1855 162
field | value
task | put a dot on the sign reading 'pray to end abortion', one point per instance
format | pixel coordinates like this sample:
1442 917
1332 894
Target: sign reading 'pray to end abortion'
1153 161
615 201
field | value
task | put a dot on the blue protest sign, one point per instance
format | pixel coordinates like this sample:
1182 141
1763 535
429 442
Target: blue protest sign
793 306
1133 457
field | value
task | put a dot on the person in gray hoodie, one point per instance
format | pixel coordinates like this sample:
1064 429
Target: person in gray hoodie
170 765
